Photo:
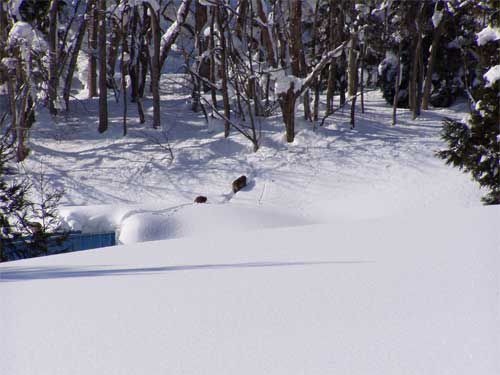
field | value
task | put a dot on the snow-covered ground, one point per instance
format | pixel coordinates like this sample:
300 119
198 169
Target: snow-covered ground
333 173
349 252
414 294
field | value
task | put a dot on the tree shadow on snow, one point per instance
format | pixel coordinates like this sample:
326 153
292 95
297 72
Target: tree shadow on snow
13 274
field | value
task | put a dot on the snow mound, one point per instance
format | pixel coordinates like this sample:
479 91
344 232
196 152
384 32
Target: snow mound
201 220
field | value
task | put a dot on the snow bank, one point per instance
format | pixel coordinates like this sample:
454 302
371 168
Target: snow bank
146 223
202 220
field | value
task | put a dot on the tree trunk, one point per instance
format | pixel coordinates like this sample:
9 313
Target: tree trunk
396 86
3 28
155 67
362 78
223 61
295 36
92 47
330 90
266 35
113 52
53 63
200 17
212 57
103 88
415 82
436 36
173 31
296 50
352 87
134 56
287 102
74 55
124 67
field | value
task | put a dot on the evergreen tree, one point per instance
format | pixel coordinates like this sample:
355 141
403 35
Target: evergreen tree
13 199
474 145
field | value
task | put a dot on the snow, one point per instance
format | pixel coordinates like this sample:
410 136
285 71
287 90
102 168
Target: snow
14 8
24 35
283 82
436 18
416 294
390 59
206 3
197 220
492 75
350 251
488 34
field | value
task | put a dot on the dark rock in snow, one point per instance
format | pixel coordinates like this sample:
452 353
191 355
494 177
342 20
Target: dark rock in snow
200 199
239 183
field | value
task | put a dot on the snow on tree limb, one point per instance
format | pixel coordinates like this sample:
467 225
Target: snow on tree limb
319 67
168 39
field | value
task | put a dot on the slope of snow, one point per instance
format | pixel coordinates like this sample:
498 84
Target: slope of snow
414 294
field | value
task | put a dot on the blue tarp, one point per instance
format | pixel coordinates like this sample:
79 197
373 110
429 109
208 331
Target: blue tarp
62 243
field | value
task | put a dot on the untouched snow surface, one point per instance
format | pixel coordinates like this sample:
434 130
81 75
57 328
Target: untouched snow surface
417 294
